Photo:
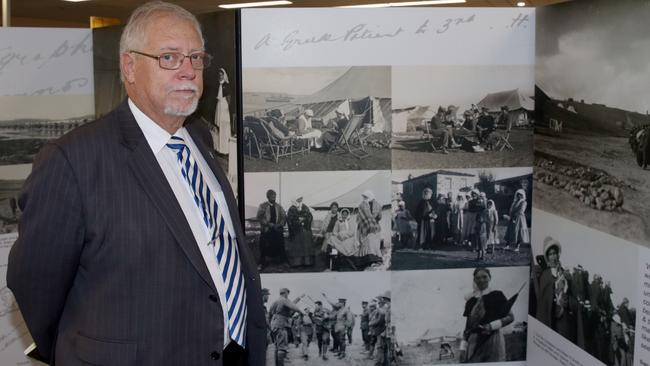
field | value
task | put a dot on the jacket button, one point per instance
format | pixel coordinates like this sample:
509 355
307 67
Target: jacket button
215 355
213 298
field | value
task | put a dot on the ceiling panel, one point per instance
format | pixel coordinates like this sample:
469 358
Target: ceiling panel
47 12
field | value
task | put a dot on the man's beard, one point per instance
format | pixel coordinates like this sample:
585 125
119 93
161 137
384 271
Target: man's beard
177 111
172 110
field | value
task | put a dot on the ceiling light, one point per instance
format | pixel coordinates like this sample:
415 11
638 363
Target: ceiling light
406 3
430 2
75 1
382 5
521 3
256 4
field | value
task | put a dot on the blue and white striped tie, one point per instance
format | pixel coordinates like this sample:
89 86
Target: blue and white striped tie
226 252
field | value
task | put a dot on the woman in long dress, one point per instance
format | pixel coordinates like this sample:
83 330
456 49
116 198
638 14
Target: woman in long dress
551 286
425 217
517 231
487 311
456 218
469 225
300 247
368 228
343 236
492 223
222 114
328 225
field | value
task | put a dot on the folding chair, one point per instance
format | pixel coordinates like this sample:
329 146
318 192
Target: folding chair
503 142
350 140
257 134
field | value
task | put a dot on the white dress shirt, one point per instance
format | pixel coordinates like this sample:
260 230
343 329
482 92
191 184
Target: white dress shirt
157 138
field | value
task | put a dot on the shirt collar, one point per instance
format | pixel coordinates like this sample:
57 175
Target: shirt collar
155 135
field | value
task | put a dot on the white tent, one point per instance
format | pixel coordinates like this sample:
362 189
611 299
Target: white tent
361 89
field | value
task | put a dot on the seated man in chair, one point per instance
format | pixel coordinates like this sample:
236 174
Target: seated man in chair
439 129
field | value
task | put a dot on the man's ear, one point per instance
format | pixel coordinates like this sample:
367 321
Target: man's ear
127 66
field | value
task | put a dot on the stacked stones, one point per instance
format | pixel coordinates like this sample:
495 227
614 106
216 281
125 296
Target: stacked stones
593 188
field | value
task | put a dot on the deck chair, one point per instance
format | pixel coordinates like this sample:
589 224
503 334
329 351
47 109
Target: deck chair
502 142
350 140
434 141
258 136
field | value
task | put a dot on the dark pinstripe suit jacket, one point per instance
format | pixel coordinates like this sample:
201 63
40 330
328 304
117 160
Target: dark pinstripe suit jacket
106 270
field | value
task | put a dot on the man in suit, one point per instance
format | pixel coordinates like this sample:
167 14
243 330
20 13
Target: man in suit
130 250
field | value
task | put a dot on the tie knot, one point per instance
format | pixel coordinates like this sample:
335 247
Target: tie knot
176 143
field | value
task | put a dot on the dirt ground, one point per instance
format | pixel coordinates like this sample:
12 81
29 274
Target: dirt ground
353 357
378 159
409 153
614 156
452 256
427 353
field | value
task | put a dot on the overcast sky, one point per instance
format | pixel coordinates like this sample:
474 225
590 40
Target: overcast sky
315 187
613 258
596 50
458 85
435 299
294 80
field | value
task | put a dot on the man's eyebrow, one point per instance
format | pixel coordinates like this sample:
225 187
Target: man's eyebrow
176 49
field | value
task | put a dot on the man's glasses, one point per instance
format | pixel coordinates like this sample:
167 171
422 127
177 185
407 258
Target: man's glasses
174 60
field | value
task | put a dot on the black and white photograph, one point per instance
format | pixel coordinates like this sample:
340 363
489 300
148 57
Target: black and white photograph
319 221
454 116
24 129
461 218
217 104
579 294
469 315
13 178
329 319
592 130
317 118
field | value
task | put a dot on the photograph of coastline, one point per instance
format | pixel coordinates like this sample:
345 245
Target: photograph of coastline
28 122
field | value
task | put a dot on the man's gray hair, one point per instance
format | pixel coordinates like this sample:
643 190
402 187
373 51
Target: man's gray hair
134 33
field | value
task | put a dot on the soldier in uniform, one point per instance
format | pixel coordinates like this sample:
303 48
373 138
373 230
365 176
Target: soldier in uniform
265 299
365 319
343 320
377 326
280 314
322 324
306 332
384 339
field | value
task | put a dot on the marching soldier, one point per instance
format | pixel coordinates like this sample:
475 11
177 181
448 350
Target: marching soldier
377 326
365 319
384 339
323 324
280 314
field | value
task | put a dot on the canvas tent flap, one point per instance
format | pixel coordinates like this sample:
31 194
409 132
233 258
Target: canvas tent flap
514 99
356 83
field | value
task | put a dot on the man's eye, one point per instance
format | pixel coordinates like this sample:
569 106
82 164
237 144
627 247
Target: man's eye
167 56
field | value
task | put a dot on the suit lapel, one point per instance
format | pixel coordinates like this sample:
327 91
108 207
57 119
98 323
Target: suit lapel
145 168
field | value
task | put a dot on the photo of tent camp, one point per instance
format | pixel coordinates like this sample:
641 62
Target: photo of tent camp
434 314
316 118
319 221
462 116
461 218
598 300
331 289
592 143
